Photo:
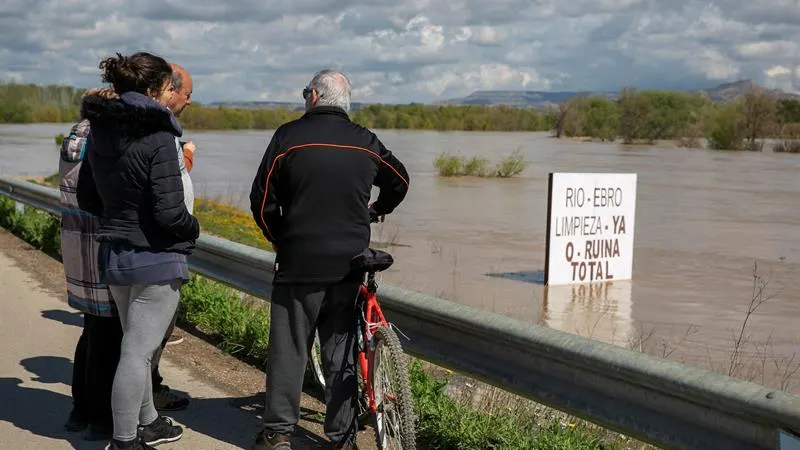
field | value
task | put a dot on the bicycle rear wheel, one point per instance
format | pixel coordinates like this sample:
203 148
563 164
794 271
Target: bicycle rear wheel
315 363
395 422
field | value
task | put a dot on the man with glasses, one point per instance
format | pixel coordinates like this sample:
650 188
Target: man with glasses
310 197
180 97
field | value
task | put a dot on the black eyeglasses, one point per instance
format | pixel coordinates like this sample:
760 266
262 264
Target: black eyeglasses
307 93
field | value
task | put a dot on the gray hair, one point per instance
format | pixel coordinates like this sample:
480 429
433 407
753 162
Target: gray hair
176 80
333 89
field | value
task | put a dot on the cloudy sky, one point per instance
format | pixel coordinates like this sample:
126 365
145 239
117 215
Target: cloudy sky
410 50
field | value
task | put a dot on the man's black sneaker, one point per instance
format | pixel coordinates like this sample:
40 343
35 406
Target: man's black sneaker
272 441
161 431
166 400
136 444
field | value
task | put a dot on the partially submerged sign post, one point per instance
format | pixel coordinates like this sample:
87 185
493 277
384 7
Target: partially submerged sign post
590 223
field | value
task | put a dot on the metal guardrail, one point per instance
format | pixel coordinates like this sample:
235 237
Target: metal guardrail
664 403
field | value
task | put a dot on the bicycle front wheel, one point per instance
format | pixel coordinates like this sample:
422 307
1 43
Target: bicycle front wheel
395 422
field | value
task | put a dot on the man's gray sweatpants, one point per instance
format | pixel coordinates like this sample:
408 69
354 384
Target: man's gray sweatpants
145 312
297 311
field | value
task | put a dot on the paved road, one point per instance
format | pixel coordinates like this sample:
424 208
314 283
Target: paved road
39 331
39 335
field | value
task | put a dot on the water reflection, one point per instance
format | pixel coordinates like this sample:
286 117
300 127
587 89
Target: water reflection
600 311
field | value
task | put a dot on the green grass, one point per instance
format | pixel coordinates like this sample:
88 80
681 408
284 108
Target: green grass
228 222
40 229
52 180
456 166
502 422
240 325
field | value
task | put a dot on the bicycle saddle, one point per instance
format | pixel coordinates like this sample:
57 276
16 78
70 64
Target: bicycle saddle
371 260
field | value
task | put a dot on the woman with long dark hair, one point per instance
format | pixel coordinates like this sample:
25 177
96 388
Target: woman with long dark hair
131 178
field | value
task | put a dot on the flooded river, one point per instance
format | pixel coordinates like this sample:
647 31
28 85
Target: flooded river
703 219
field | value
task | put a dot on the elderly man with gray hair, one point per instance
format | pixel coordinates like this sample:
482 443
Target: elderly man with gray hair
310 197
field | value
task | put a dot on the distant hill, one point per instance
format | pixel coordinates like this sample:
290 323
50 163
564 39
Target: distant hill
540 100
523 98
731 91
293 106
544 99
257 105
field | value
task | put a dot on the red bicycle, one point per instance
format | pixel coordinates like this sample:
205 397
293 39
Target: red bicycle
384 385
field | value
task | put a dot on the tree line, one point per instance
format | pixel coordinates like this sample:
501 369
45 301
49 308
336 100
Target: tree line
652 115
28 103
409 117
635 116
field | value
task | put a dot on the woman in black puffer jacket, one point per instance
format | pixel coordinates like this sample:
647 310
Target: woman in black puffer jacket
131 178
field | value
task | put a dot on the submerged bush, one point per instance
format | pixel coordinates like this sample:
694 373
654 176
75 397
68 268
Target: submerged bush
448 165
788 146
478 166
511 165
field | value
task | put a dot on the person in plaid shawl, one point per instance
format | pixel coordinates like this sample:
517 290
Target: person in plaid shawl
98 349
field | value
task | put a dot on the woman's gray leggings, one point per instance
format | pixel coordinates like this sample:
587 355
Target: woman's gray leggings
145 312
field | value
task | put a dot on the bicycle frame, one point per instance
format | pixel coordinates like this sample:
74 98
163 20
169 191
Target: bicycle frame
371 318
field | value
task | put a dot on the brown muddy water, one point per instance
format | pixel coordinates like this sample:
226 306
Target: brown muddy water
703 219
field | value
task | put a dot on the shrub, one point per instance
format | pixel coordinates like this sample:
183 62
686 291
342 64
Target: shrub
448 165
477 166
725 130
511 165
787 146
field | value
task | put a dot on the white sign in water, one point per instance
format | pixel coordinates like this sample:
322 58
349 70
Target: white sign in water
590 226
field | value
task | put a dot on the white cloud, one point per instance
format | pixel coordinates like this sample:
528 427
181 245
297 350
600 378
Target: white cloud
784 78
772 50
410 50
778 71
714 65
487 35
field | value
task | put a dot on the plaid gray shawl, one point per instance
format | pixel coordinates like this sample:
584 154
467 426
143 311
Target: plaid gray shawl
79 248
